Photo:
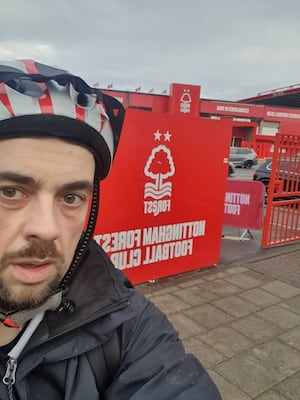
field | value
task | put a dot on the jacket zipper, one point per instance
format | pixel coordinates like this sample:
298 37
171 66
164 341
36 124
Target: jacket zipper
9 378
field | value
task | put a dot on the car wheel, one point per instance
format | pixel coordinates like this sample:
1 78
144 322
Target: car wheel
248 164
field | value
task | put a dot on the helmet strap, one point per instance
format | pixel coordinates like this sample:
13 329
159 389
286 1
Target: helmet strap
86 237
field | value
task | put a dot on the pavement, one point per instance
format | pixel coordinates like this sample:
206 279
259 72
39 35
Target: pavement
241 317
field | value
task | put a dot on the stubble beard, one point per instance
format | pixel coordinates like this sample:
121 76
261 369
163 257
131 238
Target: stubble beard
30 296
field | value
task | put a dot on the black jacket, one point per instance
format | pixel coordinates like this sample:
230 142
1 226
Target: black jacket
153 364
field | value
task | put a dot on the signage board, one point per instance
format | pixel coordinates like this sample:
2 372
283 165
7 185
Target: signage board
161 208
243 206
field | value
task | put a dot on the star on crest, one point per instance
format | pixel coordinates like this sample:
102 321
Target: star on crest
167 136
157 135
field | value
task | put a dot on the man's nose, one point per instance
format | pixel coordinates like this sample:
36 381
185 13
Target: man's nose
42 220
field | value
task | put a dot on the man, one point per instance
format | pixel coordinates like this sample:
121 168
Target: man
72 326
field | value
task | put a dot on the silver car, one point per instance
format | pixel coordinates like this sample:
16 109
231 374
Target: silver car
242 157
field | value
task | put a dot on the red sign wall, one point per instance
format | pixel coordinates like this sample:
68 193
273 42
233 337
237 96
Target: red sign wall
161 209
234 109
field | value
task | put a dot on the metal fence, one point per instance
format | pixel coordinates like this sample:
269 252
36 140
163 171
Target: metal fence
282 215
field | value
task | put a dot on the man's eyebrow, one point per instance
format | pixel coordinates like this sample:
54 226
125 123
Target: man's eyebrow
30 181
78 185
17 178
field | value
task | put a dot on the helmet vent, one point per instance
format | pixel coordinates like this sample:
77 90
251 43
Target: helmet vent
27 87
83 100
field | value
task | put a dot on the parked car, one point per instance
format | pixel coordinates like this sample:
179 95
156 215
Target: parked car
263 172
230 168
288 172
242 157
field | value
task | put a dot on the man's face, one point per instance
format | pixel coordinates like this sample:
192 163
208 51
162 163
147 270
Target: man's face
45 185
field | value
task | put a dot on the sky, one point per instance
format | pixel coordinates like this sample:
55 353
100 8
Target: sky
233 49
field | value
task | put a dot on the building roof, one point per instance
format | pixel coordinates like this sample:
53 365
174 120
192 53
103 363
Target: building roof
282 97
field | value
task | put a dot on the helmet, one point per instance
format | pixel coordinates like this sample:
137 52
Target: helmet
39 100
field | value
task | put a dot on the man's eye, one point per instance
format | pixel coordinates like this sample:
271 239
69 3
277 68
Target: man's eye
73 199
10 192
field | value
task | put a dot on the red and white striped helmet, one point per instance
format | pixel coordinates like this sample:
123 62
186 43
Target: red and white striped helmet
39 100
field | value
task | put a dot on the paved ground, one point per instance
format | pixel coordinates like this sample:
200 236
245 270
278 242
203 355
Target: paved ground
241 318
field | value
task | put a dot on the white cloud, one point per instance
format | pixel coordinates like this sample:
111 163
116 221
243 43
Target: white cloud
260 55
26 49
